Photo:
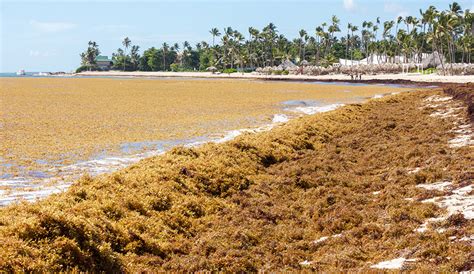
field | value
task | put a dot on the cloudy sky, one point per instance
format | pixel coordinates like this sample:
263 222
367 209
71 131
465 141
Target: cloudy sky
49 35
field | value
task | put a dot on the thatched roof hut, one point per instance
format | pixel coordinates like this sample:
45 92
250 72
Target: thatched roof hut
432 60
212 69
288 65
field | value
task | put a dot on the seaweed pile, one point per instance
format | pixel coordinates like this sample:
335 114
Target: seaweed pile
339 190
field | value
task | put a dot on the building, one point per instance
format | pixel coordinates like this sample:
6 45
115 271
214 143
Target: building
103 62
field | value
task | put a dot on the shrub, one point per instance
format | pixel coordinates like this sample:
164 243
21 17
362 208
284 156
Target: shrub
229 70
175 67
87 68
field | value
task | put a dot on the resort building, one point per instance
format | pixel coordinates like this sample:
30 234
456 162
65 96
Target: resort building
103 62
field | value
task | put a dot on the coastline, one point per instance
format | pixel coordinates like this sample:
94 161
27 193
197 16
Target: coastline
430 79
363 176
226 109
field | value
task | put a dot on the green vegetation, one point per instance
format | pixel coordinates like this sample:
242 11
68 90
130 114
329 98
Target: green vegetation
259 202
88 57
229 70
429 71
448 32
280 72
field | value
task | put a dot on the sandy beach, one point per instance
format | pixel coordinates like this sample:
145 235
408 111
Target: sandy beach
413 77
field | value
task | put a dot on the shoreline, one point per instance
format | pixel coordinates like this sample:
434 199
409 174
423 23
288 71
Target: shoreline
245 196
32 191
43 177
411 78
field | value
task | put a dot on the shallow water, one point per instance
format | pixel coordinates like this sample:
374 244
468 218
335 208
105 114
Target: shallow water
154 120
39 184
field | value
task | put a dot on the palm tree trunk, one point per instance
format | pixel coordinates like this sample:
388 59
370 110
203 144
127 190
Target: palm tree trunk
164 61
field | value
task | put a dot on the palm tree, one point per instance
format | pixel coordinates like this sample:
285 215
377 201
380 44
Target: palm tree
467 39
165 49
448 32
126 43
134 56
253 37
185 52
176 47
332 29
239 38
215 33
303 37
349 27
387 27
353 28
88 57
269 35
319 36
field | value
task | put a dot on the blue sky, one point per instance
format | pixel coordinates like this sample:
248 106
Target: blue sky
49 35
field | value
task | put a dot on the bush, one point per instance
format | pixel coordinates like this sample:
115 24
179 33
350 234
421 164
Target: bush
87 68
229 70
429 71
174 67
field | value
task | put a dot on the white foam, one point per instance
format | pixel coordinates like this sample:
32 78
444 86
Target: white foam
33 195
377 96
230 135
309 110
280 118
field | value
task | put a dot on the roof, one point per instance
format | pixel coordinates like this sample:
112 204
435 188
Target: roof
103 58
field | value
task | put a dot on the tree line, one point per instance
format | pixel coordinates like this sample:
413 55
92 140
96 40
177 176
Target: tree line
448 32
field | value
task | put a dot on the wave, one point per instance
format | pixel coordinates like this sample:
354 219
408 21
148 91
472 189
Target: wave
309 110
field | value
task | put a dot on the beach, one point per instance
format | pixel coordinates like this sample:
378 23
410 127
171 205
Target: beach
387 180
216 137
382 78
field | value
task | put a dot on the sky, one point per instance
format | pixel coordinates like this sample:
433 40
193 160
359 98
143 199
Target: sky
48 35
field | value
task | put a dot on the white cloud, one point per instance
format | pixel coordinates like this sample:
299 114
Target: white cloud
395 8
51 26
349 5
353 6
